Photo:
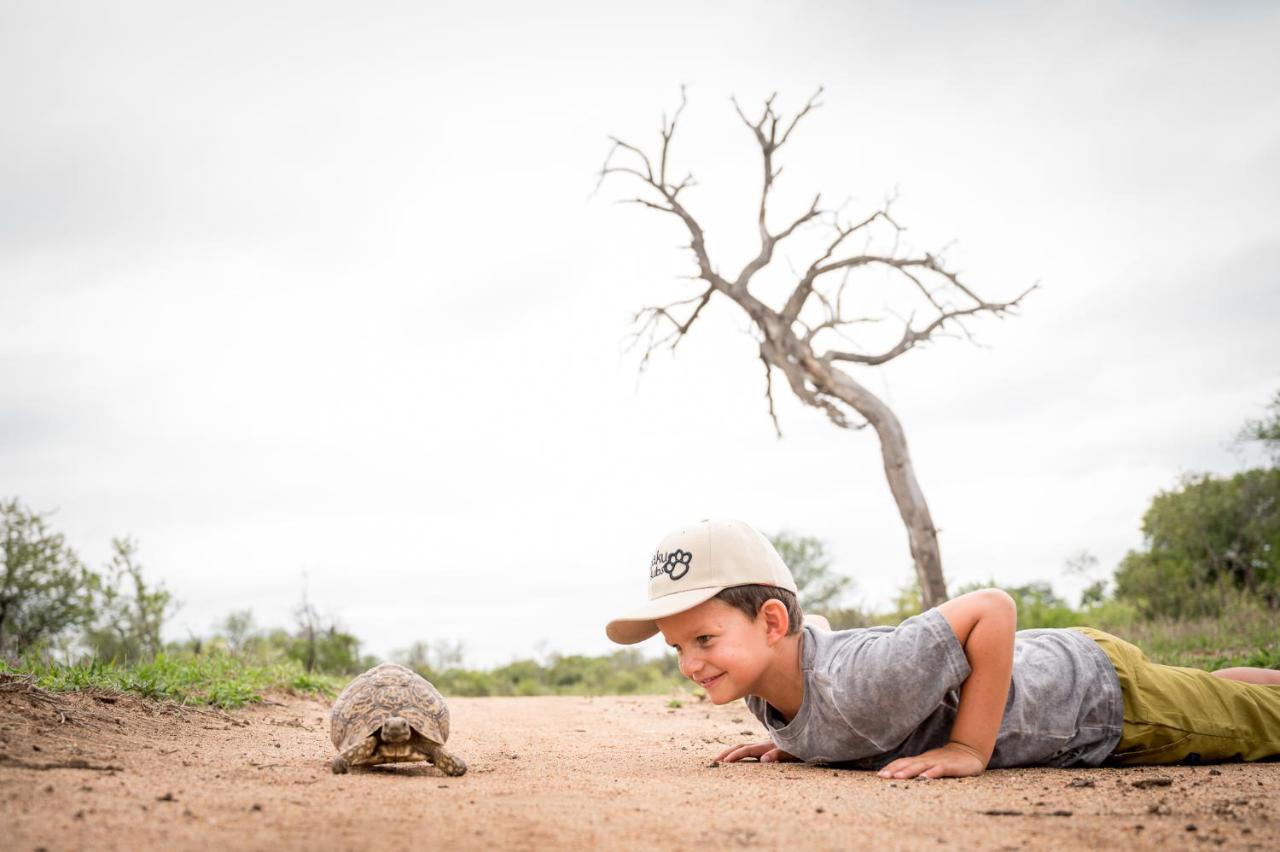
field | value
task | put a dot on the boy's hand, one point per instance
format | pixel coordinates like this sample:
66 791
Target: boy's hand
950 761
766 752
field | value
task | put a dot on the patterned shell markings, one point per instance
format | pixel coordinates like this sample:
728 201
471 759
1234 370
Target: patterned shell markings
382 692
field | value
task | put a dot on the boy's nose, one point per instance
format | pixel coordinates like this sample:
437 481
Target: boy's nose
689 666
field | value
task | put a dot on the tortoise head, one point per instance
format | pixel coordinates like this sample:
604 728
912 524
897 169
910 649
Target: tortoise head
395 730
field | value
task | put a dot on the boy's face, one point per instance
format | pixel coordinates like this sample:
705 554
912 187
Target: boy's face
720 649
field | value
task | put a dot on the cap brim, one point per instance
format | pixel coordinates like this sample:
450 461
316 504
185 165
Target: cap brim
640 625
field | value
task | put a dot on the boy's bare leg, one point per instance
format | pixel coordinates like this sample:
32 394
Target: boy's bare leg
1246 674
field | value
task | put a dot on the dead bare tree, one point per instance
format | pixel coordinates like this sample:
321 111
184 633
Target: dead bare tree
792 338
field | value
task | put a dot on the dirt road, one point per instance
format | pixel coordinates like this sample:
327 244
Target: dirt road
108 772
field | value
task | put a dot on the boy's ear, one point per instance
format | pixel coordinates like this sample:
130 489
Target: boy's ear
776 621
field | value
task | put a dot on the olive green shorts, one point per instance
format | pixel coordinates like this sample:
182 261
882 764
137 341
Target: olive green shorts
1180 715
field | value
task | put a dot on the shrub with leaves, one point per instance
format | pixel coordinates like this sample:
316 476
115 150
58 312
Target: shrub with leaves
1207 538
820 588
45 591
130 613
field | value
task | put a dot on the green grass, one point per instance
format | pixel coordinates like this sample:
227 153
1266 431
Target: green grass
1236 639
219 680
1244 633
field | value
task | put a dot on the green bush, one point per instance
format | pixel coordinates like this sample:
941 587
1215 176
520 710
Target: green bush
129 612
819 588
1205 540
45 591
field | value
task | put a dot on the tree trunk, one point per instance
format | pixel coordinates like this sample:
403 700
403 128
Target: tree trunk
921 534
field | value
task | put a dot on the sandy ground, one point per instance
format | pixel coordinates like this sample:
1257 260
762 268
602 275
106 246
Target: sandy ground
109 772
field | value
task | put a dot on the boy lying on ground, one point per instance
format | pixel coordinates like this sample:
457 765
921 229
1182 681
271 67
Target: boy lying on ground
949 692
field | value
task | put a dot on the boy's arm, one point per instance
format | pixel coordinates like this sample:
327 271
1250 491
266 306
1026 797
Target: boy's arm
984 622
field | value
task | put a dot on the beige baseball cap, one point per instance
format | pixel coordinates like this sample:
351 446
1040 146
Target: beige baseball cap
693 564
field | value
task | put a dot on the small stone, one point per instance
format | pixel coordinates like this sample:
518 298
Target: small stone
1215 772
818 810
36 747
167 797
715 764
1082 782
1060 813
1191 826
1148 783
256 807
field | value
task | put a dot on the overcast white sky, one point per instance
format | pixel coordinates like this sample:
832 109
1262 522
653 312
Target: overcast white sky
320 289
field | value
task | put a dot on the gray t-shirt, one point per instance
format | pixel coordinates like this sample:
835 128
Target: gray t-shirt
876 694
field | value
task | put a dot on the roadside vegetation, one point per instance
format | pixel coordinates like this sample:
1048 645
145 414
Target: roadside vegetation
217 679
1203 591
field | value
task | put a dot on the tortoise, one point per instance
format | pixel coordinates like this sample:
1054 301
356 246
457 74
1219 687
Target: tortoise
391 714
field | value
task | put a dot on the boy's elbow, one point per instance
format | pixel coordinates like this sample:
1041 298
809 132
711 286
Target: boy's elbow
1004 600
992 607
1000 604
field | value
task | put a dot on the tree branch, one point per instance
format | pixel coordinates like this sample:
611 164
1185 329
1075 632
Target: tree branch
668 191
660 327
647 322
768 392
769 143
795 302
772 353
913 337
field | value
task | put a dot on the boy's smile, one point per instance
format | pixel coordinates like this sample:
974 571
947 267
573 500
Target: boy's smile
706 684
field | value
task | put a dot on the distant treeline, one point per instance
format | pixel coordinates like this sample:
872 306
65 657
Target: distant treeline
1207 577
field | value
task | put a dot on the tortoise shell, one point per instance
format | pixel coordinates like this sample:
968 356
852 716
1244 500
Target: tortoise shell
384 691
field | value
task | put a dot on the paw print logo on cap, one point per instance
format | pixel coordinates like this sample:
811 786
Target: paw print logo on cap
677 564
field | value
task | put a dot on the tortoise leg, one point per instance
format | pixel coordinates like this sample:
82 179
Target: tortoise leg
356 755
446 761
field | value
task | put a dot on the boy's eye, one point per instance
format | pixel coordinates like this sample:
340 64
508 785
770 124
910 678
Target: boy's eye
702 640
